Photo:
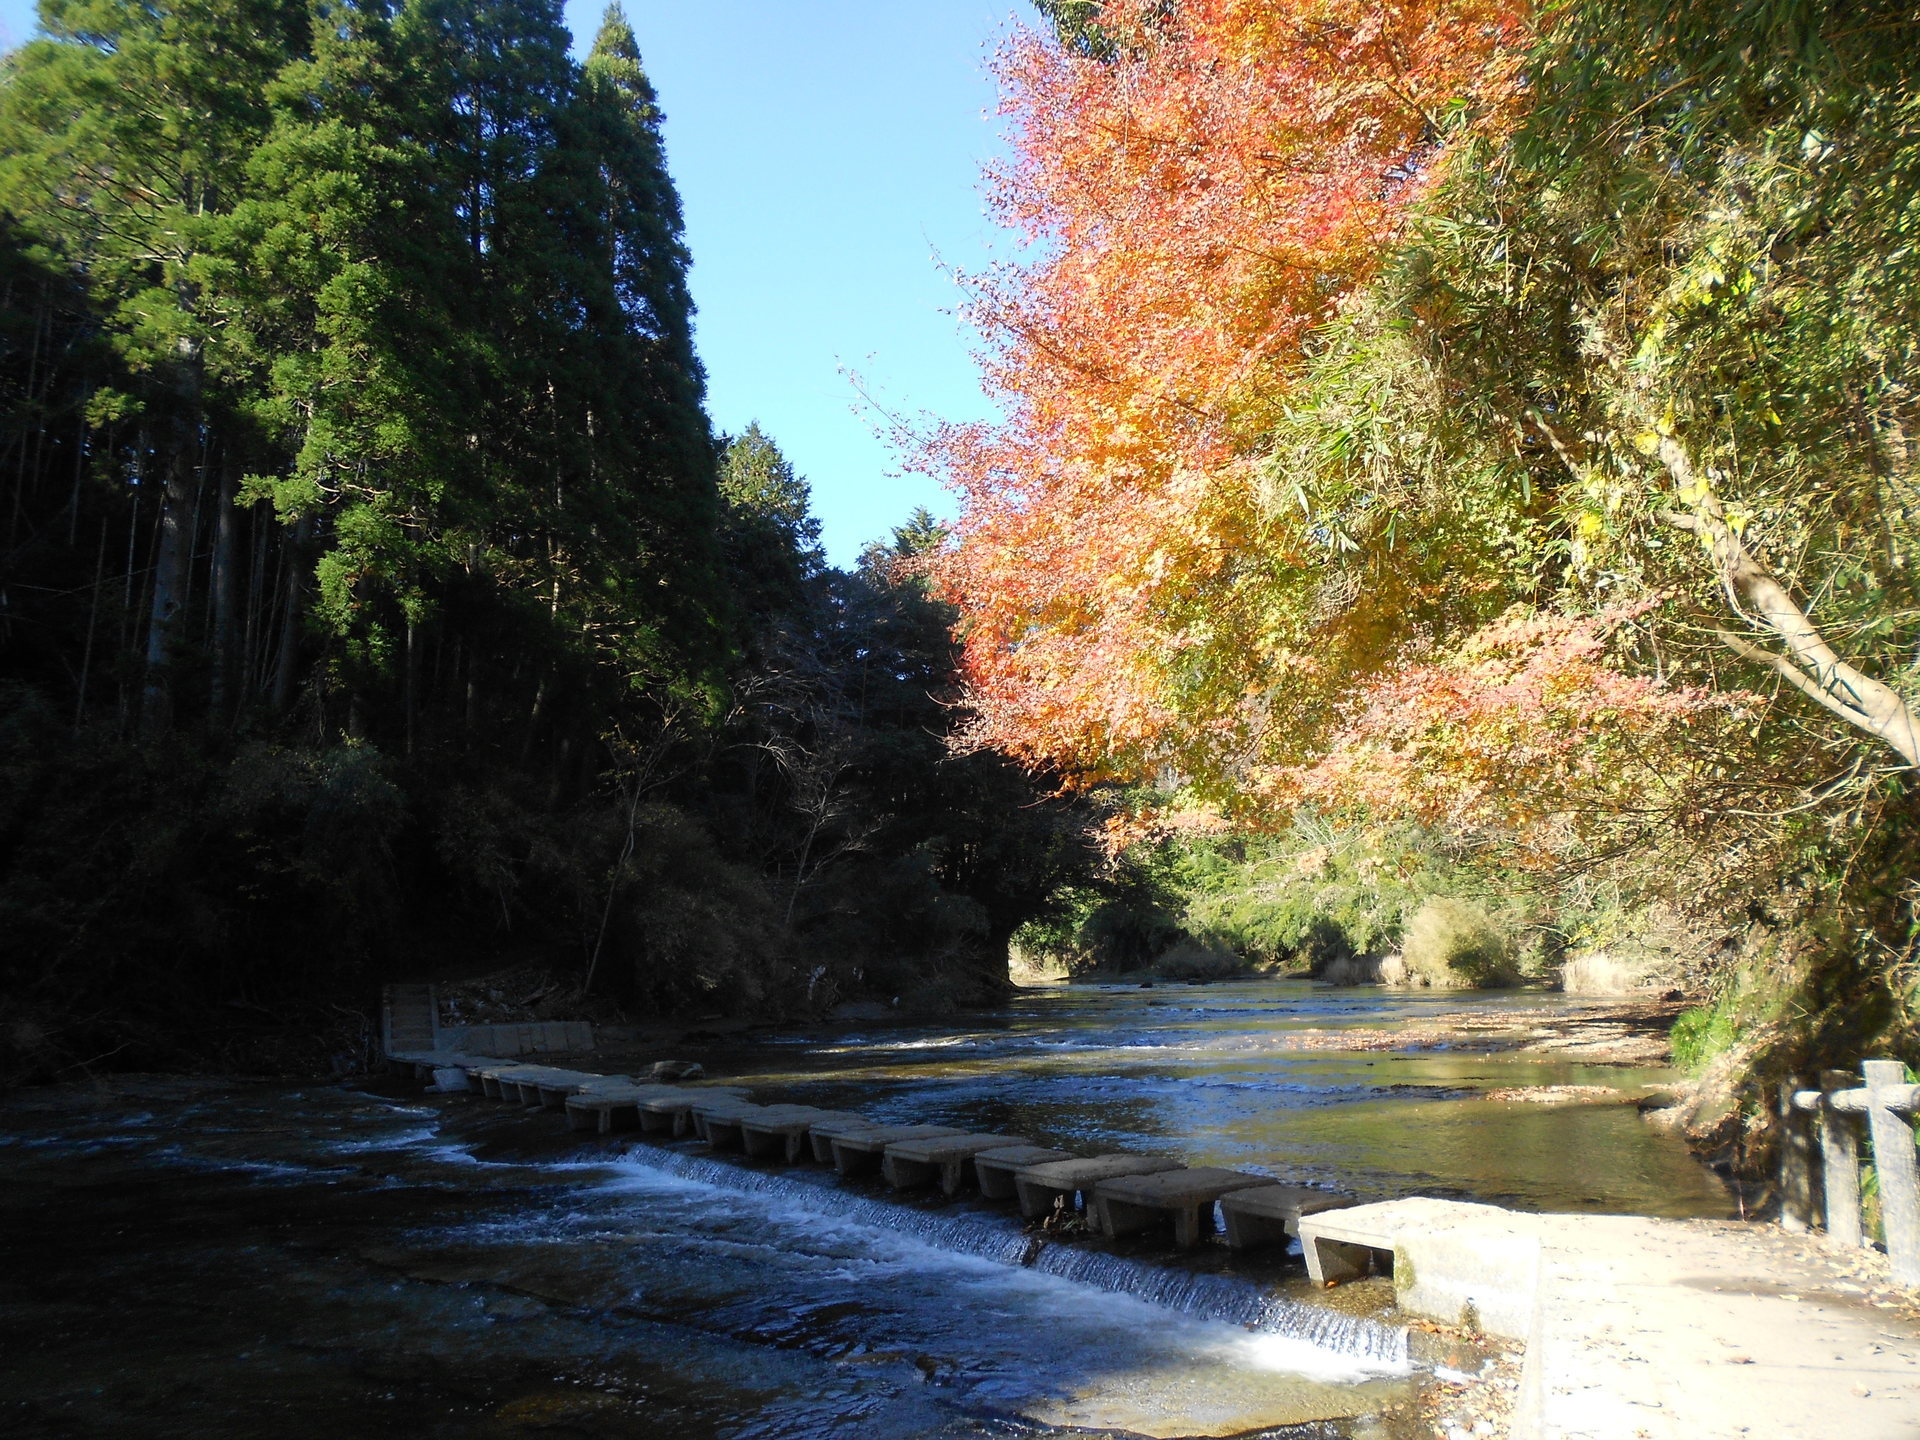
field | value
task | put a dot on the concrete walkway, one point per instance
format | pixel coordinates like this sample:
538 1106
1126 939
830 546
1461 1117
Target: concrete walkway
1670 1328
1634 1328
1644 1329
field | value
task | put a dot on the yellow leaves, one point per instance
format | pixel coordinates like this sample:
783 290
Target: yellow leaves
1206 201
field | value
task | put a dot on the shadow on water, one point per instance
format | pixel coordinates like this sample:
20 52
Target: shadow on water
263 1260
196 1258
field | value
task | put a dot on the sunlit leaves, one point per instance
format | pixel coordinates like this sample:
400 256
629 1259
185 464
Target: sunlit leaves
1199 191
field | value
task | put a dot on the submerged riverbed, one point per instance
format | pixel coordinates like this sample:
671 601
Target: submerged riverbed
1254 1075
219 1258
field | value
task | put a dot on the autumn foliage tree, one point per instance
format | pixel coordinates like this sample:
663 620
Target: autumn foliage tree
1200 186
1493 418
1356 342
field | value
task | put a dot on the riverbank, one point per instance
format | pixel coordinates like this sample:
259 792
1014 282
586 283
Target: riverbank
1607 1032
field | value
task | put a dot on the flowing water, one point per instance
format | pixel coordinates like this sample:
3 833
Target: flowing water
1254 1076
199 1258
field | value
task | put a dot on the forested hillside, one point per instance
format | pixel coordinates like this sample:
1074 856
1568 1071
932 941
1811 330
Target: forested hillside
375 598
1468 448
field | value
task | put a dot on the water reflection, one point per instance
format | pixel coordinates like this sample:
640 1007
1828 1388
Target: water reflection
1236 1075
271 1260
197 1258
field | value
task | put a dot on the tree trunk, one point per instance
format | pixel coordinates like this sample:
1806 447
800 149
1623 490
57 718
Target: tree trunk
93 622
221 628
1811 665
288 657
407 699
169 582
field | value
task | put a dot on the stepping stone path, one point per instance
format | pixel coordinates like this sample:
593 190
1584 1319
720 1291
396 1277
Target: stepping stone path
1269 1214
726 1127
720 1108
861 1150
909 1164
1635 1327
537 1084
781 1131
1129 1203
994 1169
1038 1186
673 1114
605 1109
820 1138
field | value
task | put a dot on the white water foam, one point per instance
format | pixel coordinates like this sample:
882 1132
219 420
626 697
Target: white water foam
1266 1331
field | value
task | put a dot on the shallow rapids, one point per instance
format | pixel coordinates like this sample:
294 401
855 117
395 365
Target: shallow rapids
201 1258
1262 1076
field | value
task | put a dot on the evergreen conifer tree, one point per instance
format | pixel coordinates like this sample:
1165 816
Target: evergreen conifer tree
646 420
124 140
773 541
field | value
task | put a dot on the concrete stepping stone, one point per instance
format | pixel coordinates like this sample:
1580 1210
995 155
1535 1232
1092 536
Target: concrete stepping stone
705 1111
426 1062
993 1169
492 1083
785 1136
1350 1244
544 1086
1137 1202
607 1108
861 1150
1038 1186
552 1090
723 1126
517 1084
820 1136
673 1114
1268 1214
471 1064
441 1069
909 1164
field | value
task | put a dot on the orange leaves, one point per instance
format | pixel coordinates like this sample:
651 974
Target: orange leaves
1527 727
1196 204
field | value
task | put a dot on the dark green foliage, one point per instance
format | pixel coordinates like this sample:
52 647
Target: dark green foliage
376 597
772 540
909 866
1077 23
393 320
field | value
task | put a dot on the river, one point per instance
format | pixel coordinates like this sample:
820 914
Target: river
206 1257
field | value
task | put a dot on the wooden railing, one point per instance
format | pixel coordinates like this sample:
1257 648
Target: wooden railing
1820 1158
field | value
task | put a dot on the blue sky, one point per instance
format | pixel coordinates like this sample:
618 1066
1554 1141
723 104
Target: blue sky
826 151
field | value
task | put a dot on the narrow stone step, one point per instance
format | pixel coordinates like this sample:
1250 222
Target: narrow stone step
860 1151
1270 1214
994 1169
1039 1186
909 1164
1129 1203
769 1135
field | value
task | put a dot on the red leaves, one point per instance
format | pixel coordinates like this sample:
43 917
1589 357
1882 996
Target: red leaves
1528 724
1197 205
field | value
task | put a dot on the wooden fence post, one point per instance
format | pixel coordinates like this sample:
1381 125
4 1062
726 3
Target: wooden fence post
1894 1160
1796 1161
1840 1163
